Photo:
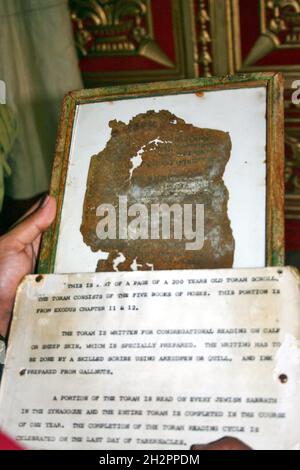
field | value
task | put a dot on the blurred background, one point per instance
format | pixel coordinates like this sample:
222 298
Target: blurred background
49 47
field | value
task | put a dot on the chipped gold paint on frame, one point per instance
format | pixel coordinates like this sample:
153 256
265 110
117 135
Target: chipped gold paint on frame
275 164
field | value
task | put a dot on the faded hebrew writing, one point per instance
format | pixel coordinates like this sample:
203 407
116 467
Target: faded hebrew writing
154 360
161 160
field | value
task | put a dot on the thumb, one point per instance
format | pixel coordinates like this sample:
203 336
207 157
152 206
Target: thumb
35 224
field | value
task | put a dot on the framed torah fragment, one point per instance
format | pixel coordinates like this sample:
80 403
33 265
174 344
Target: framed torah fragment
172 175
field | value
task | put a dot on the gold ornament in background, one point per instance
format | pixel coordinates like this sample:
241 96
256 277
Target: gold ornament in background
116 28
285 18
279 29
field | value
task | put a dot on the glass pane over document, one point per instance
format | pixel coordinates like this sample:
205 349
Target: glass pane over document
154 360
205 148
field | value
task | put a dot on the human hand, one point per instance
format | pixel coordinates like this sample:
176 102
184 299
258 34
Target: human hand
18 253
227 443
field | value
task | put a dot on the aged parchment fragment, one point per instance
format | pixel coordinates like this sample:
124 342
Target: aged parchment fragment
154 360
158 158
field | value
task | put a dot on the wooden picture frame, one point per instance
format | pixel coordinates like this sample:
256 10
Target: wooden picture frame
235 88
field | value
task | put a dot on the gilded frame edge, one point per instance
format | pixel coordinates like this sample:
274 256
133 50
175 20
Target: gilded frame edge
275 239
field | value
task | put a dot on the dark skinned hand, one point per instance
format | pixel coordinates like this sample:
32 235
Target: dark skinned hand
18 253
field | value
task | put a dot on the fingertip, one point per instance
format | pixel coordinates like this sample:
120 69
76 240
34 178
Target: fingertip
44 201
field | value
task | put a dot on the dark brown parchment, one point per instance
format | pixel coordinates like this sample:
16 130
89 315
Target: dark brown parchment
181 164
